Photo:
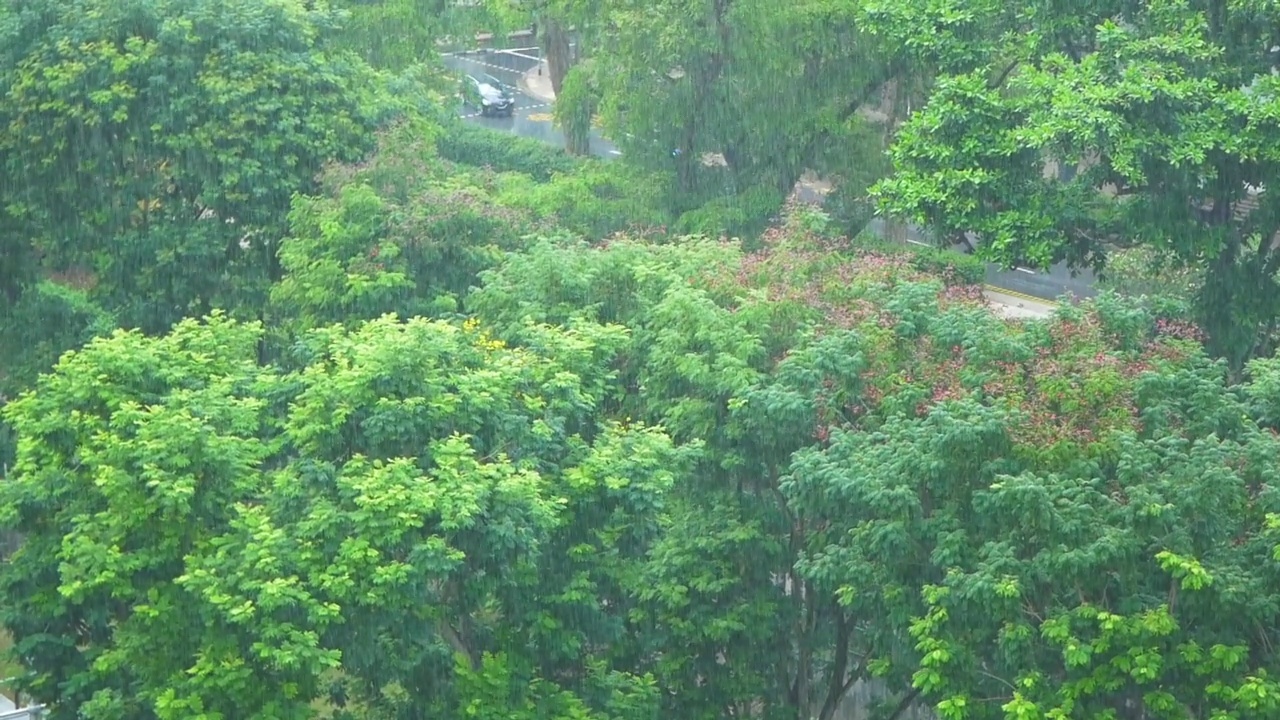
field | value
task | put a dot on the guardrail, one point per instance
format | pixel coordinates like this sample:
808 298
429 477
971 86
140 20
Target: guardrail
35 712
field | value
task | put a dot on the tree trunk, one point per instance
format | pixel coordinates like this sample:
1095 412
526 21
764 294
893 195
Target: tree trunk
684 163
577 143
891 105
575 106
555 48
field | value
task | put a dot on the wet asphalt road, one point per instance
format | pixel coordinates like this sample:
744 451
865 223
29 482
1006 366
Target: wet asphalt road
532 119
1052 284
532 116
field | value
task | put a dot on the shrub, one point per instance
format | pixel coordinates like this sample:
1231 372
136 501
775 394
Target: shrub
48 319
597 201
744 215
1144 271
469 144
956 268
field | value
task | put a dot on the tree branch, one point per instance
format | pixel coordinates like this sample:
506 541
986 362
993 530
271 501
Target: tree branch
868 89
456 642
998 679
905 703
1004 75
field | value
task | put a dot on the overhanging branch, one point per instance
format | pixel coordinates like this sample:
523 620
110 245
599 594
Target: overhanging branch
1004 75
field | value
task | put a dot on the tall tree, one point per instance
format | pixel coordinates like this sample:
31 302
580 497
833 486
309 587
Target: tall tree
395 34
1058 131
561 27
412 246
1052 539
882 457
732 622
770 87
156 144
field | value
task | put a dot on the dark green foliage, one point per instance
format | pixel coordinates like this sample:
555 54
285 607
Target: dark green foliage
156 145
477 146
48 320
742 216
596 201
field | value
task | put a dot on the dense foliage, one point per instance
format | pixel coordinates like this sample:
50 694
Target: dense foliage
1062 132
158 145
319 402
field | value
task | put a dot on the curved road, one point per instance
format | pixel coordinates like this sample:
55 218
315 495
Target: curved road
532 116
532 119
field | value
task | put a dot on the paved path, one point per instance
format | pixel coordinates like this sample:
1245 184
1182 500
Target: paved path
537 83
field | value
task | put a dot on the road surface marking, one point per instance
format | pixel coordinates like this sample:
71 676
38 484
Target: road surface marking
522 55
1020 296
540 117
492 66
615 152
488 51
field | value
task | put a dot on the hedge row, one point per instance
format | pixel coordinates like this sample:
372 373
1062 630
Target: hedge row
469 144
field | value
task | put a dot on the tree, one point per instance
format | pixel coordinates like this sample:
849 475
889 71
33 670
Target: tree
396 34
575 109
405 232
1060 132
409 525
156 145
1058 532
735 623
771 88
557 24
995 519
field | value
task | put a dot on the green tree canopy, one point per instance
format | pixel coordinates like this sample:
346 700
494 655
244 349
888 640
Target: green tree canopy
773 88
156 144
401 524
1060 131
884 457
654 480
